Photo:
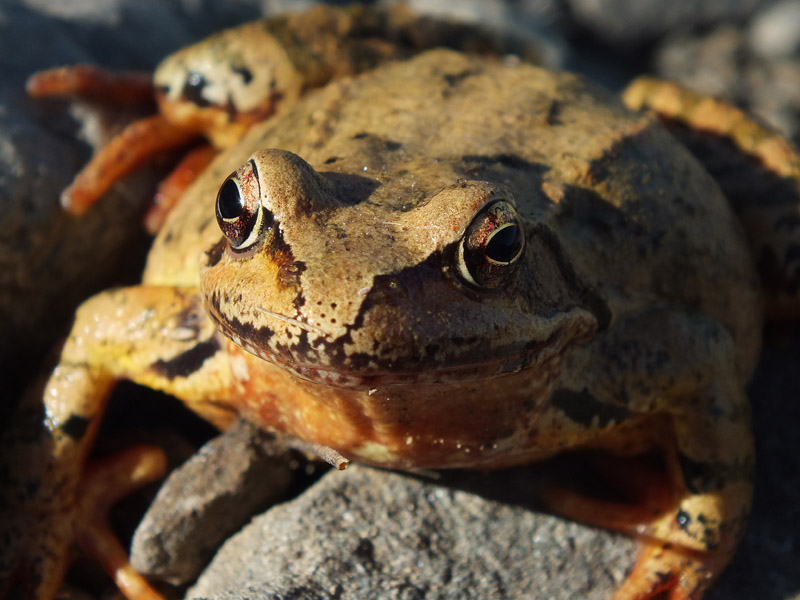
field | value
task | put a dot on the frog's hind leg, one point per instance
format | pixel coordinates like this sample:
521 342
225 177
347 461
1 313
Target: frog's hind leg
132 147
687 521
664 383
756 167
50 502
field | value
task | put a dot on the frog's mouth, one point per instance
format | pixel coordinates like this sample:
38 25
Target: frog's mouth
359 373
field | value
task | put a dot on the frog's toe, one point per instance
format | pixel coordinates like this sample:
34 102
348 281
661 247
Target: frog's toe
92 82
104 482
172 187
663 571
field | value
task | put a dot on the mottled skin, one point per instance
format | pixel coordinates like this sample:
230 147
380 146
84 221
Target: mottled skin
351 302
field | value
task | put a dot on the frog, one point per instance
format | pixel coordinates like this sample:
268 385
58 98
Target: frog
448 261
218 88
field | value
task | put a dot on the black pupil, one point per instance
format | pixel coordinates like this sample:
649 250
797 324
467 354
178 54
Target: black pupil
504 245
229 201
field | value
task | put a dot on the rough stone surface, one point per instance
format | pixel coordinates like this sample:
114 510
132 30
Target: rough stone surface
722 62
626 22
366 533
775 32
208 499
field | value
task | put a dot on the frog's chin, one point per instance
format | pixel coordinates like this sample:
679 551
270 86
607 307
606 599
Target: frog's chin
533 354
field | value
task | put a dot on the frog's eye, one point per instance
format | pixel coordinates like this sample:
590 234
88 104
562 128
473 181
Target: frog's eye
491 247
239 212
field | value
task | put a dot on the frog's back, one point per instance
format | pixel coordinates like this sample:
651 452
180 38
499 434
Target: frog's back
638 219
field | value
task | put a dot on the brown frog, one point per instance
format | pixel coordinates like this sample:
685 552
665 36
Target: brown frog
450 261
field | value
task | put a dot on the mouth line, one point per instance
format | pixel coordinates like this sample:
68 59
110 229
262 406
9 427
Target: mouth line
535 353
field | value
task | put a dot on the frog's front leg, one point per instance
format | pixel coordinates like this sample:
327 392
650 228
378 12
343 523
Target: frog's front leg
160 337
670 381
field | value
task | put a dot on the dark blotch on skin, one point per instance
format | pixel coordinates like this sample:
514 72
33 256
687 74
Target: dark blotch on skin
554 113
302 347
365 552
511 161
188 362
259 336
75 427
583 408
699 476
454 79
214 254
245 73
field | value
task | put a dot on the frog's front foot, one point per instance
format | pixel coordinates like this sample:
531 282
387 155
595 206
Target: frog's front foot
103 483
689 508
50 521
56 499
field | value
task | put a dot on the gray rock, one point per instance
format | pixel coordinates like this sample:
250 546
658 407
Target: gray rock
775 32
633 22
208 499
721 62
366 533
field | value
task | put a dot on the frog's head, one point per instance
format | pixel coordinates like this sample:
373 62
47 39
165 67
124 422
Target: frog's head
351 281
225 83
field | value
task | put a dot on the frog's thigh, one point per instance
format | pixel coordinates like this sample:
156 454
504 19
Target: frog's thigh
679 370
